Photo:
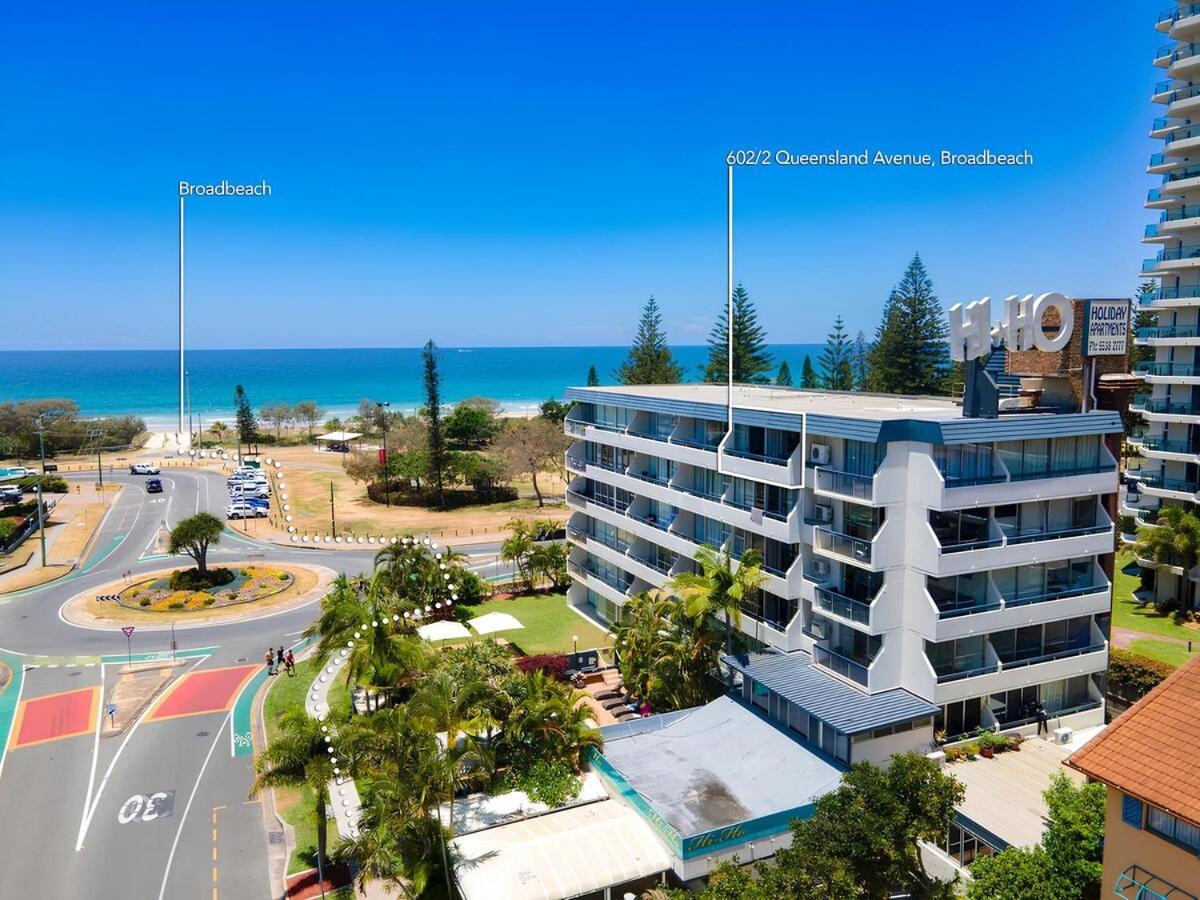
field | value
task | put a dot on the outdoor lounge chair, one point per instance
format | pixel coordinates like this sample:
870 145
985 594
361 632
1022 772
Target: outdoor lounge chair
610 694
615 703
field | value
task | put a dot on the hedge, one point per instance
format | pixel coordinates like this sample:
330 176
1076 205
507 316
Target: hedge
1135 675
553 665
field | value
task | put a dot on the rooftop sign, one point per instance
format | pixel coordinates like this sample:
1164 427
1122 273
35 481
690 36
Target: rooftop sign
973 333
1105 327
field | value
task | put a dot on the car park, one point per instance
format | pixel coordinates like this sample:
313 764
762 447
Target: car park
245 511
154 486
10 494
143 469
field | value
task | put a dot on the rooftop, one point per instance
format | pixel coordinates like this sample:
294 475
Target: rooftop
1004 794
717 765
561 854
845 707
1149 752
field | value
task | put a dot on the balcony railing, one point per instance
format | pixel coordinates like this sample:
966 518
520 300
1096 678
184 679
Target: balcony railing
609 578
843 544
1163 122
1179 214
841 665
1028 538
1164 406
1161 88
578 426
1152 196
846 484
750 507
1050 657
1184 51
1163 51
696 492
1176 253
1175 13
1062 594
757 457
960 674
1168 369
1187 292
1167 331
841 605
978 606
652 521
1151 231
646 476
1190 171
965 546
1158 481
659 565
699 445
1149 265
576 463
601 499
1098 468
1162 445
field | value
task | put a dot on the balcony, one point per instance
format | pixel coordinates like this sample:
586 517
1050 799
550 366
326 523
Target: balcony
1180 214
848 608
599 499
847 668
998 549
1153 369
1170 16
1156 444
857 551
1182 180
1172 260
1168 297
1155 481
844 485
1162 54
1160 334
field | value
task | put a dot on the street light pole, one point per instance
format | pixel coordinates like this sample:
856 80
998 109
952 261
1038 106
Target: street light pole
332 517
41 513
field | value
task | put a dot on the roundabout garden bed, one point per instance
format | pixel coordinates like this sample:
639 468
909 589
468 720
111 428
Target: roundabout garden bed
234 586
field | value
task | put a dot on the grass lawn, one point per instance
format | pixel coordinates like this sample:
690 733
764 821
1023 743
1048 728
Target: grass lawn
295 805
1168 652
549 624
1127 614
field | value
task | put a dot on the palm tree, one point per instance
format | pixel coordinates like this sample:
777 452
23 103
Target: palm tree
516 549
545 722
636 640
450 708
1175 541
720 587
299 757
218 430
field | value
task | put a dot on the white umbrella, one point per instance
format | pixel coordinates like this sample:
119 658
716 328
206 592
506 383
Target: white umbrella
443 631
495 621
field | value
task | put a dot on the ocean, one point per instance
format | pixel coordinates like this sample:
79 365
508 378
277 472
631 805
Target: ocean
146 382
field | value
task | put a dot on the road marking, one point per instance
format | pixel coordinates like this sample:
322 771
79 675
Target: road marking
87 798
112 765
212 690
54 717
7 712
162 891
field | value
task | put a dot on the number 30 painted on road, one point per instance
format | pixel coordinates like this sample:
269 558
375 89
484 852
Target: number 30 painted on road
143 808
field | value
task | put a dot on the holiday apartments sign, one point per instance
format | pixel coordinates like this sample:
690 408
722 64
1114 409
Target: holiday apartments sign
1105 327
973 333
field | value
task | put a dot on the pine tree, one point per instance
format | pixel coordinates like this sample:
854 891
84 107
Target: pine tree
784 378
808 375
910 355
593 380
650 360
435 439
837 374
751 361
859 361
247 425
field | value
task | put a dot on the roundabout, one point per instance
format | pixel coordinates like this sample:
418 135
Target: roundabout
256 590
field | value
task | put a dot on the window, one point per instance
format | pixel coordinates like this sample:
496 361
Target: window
1175 830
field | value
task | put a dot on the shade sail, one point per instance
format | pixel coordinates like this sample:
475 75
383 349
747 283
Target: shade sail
495 621
339 436
443 631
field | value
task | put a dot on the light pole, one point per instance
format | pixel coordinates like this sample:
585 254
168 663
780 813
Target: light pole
41 513
387 500
187 381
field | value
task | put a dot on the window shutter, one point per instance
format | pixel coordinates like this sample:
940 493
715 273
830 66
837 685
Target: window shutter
1131 811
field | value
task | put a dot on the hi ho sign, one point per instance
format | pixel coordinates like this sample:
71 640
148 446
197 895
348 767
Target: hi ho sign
973 333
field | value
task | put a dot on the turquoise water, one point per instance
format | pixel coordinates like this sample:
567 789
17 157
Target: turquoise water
146 382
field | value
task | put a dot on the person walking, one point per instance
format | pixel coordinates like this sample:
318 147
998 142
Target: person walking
279 659
269 658
289 663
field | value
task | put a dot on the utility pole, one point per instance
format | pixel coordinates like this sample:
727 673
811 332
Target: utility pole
100 473
387 500
41 513
332 518
181 361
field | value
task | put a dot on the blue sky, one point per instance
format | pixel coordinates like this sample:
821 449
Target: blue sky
492 175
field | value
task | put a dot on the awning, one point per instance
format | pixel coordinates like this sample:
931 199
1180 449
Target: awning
560 854
495 621
443 631
339 436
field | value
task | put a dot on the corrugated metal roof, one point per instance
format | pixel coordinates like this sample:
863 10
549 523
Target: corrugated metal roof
849 710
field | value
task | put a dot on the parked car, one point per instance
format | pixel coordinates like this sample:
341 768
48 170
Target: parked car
154 486
245 511
20 472
249 491
10 494
50 467
143 469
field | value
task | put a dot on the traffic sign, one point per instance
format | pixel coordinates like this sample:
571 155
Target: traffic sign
127 630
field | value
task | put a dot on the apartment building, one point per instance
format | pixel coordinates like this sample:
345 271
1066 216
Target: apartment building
925 571
1152 820
1171 442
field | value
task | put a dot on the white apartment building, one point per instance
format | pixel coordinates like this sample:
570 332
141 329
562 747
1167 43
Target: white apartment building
1171 443
925 570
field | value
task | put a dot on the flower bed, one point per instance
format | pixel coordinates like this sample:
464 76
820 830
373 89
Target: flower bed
250 583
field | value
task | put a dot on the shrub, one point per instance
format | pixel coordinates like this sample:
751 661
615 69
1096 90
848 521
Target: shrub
1133 675
553 783
51 484
191 580
145 601
7 527
471 589
284 576
209 601
178 604
553 665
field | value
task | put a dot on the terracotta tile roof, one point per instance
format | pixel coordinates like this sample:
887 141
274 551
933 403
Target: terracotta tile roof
1150 751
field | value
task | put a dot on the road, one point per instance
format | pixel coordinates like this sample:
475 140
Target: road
160 810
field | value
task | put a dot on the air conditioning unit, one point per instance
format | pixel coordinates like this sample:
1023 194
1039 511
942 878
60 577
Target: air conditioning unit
819 454
823 513
820 567
1063 735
